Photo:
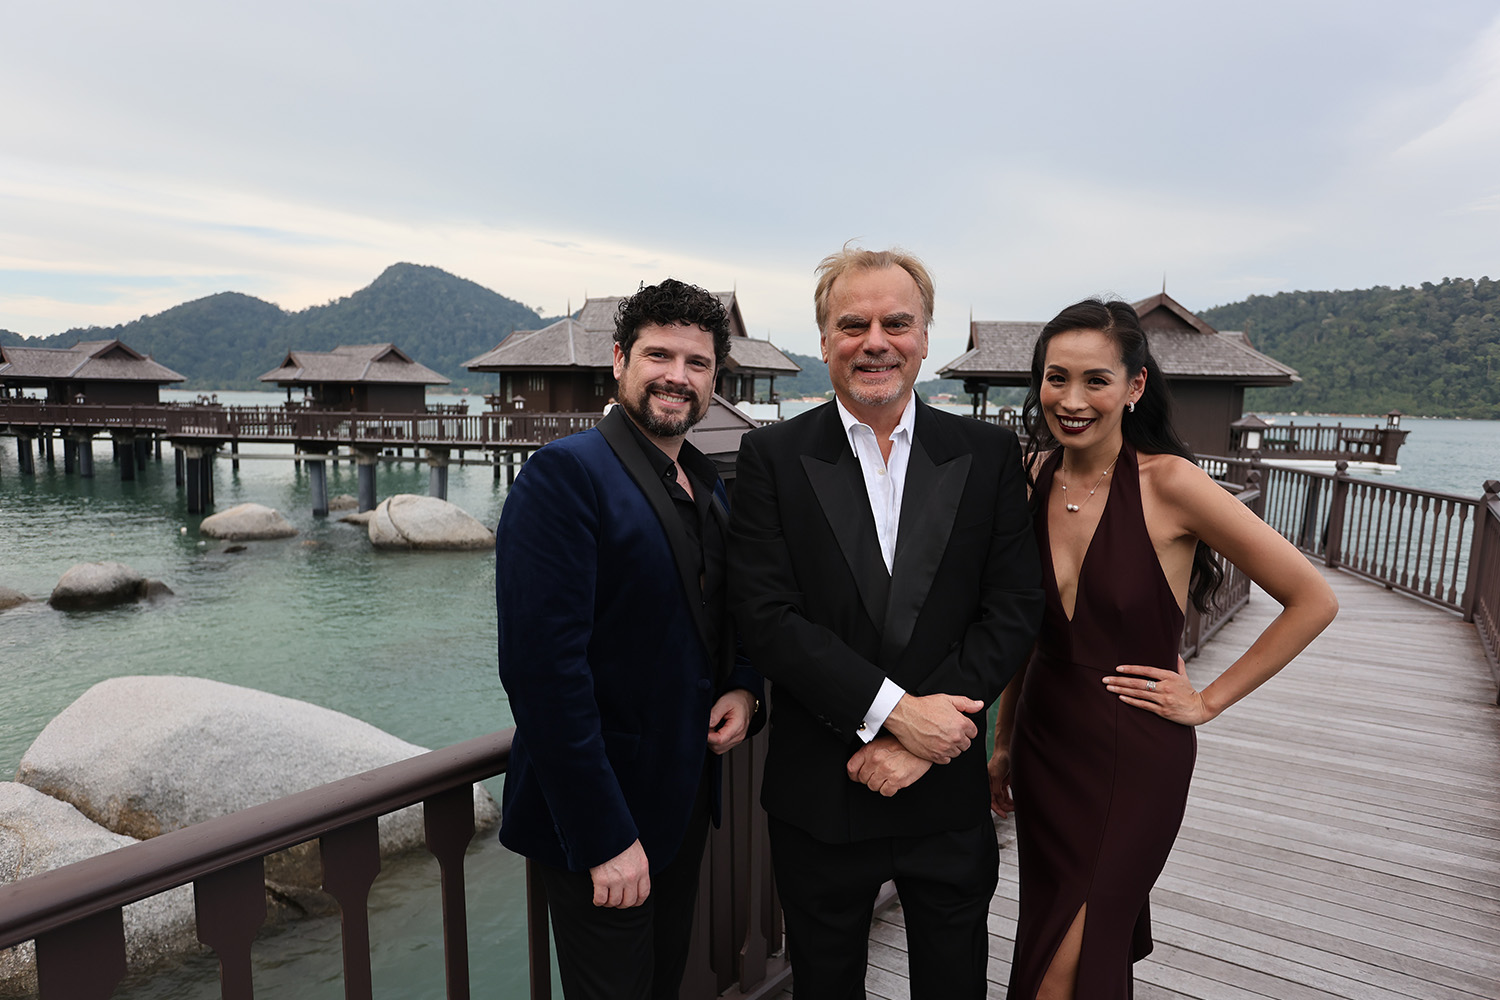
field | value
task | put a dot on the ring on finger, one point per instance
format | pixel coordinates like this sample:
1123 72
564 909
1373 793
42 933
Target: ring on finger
1150 685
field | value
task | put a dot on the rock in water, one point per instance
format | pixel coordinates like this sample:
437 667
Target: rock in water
343 501
146 755
98 585
247 521
37 834
10 598
408 521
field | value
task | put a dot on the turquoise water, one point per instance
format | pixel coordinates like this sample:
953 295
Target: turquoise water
402 640
405 641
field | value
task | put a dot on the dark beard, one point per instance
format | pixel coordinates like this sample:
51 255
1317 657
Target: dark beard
654 423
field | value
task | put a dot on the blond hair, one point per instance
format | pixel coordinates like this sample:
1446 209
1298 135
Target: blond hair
860 259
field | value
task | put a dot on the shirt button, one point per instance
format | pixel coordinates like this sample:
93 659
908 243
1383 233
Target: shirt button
879 472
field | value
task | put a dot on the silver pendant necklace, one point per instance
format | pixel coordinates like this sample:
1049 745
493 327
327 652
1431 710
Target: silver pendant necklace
1073 508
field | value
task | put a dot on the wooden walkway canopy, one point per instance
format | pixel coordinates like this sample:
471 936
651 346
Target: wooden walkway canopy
1342 837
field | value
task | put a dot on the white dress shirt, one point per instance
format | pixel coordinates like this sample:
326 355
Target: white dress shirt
885 483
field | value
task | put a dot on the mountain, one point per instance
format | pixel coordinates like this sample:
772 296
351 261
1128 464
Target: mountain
1433 350
226 341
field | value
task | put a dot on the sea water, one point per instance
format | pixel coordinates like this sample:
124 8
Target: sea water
402 640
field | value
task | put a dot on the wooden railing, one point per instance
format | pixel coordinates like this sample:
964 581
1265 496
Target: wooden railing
1198 627
1325 441
301 424
1420 542
74 913
1484 576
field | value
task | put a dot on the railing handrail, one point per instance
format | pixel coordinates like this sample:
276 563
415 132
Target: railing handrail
1271 463
52 899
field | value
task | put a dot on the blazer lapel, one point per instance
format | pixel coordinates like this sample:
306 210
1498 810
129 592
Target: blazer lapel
839 485
929 505
628 451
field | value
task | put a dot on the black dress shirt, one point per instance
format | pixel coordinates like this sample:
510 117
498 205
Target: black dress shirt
696 513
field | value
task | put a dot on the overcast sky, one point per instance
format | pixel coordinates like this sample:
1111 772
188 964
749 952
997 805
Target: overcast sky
1032 154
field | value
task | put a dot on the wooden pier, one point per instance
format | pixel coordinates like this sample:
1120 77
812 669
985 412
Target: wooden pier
1342 837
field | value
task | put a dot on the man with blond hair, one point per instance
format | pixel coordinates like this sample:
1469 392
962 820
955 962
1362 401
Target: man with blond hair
885 579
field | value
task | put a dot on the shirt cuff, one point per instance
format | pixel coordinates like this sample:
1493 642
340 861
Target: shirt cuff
885 701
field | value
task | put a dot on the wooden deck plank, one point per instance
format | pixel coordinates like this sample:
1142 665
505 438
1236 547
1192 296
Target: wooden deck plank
1342 838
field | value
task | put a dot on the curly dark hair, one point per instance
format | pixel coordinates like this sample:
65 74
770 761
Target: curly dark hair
673 302
1148 429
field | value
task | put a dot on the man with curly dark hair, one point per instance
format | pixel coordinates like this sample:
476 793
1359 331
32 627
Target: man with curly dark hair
617 655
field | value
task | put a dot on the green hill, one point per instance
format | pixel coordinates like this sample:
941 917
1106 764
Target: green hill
226 341
1433 350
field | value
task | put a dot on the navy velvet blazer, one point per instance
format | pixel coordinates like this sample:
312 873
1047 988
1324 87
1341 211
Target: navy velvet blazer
602 654
825 621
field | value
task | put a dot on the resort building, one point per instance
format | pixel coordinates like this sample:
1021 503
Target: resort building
366 378
1207 370
99 372
568 367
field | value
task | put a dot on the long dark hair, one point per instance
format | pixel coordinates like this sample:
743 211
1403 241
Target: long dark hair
1148 428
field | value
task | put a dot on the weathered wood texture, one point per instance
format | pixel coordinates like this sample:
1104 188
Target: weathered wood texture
1342 838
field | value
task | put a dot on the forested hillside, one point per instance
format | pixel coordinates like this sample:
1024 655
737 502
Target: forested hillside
226 341
1433 350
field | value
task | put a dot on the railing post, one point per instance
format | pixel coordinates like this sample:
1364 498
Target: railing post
351 861
1253 481
84 960
231 906
1479 547
1333 549
448 821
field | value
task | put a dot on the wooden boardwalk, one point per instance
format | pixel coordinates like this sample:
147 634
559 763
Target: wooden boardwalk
1342 838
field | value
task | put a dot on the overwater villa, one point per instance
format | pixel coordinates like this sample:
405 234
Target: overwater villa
367 378
568 367
102 372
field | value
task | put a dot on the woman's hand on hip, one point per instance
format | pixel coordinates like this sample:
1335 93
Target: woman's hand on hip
1167 693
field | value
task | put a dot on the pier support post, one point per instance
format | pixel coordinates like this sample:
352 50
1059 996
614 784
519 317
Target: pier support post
125 455
317 479
157 437
234 452
179 467
495 460
85 446
437 473
142 453
70 456
198 461
366 459
47 434
23 455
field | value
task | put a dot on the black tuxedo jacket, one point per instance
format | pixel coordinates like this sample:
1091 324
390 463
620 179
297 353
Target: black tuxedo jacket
822 618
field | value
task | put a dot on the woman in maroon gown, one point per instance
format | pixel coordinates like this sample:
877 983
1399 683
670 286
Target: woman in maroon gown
1094 744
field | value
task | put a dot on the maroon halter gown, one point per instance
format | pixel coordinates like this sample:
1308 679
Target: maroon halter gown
1099 785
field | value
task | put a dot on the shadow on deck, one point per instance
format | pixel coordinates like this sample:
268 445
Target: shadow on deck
1342 837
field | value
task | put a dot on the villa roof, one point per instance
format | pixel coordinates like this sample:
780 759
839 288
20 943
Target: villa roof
353 363
588 342
564 344
87 361
1184 345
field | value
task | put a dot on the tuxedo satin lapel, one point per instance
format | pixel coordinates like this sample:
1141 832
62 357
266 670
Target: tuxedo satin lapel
929 504
628 451
840 489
